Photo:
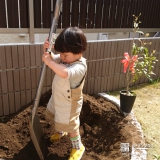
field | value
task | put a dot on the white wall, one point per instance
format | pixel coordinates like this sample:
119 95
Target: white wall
24 38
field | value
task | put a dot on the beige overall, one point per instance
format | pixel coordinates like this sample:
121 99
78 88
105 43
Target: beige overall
65 105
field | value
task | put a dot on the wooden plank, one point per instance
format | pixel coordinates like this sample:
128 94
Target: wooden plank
109 83
120 49
146 14
23 98
157 67
4 82
121 83
24 13
32 55
1 106
38 52
103 84
130 13
33 93
106 13
92 55
49 76
150 14
156 23
22 79
8 57
20 53
94 65
14 56
101 47
3 22
115 82
10 81
117 65
112 82
104 68
16 80
112 13
127 47
99 84
46 13
33 78
126 16
111 66
143 13
87 52
90 86
38 71
28 96
26 56
37 13
114 49
66 13
108 50
11 103
17 101
83 15
98 17
119 14
97 71
12 9
3 58
91 13
27 78
98 51
5 104
96 85
157 48
0 84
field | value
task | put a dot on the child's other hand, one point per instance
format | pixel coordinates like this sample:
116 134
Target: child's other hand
46 58
46 45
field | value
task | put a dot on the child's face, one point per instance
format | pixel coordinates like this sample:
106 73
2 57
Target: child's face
69 57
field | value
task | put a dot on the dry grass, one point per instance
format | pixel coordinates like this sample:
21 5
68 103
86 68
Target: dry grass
147 111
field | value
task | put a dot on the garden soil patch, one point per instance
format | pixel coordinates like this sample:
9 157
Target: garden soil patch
103 129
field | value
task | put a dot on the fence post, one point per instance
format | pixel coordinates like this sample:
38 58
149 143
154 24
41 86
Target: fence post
31 22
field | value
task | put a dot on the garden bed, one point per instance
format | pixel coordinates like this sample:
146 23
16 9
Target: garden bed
103 130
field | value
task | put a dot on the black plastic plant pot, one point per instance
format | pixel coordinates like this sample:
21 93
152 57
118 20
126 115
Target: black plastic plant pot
127 101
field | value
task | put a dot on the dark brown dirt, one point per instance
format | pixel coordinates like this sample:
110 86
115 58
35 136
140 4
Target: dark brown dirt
103 128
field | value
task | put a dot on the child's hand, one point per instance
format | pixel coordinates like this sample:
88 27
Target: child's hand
46 45
46 58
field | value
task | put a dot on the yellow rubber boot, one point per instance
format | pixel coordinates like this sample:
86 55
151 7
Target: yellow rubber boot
57 136
77 154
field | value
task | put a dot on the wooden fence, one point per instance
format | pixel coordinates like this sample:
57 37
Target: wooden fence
81 13
20 67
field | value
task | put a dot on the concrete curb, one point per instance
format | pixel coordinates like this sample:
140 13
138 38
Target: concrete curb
137 153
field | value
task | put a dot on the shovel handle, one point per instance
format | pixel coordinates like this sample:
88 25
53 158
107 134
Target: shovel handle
43 70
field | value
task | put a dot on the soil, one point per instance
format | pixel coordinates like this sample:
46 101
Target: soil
103 128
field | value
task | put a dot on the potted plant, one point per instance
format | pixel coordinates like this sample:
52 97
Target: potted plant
136 64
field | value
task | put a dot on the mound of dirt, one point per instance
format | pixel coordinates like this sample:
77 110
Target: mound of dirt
103 129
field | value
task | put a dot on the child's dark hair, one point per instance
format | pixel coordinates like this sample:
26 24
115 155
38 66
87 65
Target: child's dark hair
71 39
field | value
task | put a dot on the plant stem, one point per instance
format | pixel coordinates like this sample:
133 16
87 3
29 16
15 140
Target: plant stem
127 78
